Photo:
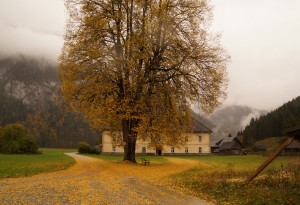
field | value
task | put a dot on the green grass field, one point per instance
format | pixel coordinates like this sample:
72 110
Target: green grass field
14 165
221 178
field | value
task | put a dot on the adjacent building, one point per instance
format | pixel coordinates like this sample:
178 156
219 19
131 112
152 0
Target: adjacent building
229 146
294 146
260 148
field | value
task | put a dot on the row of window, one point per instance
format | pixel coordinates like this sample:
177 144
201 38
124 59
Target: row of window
172 150
143 149
186 150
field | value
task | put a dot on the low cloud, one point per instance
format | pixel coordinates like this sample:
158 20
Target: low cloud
32 28
22 40
246 119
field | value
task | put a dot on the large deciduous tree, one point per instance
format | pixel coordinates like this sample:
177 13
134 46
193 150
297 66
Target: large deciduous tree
138 65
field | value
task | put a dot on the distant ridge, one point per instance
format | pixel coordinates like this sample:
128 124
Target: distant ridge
274 123
29 90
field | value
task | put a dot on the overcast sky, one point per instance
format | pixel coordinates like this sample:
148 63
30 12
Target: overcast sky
262 37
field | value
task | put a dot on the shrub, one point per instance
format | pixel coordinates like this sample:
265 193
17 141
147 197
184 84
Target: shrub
84 148
95 150
14 139
29 144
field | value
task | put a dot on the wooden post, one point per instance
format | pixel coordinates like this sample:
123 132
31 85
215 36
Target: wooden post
270 159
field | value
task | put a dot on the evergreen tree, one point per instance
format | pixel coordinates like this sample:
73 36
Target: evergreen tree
273 124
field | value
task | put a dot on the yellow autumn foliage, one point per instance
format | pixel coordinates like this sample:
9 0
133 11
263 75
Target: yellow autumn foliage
137 66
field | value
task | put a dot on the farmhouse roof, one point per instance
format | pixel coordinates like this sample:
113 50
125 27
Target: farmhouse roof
214 144
228 139
198 127
229 143
295 132
295 144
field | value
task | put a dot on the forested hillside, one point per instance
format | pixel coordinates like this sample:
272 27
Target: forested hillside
273 124
29 95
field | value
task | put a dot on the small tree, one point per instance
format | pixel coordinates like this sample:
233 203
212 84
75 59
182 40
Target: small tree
84 148
15 139
29 144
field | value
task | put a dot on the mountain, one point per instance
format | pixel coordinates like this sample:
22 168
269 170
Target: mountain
30 81
29 93
231 119
274 123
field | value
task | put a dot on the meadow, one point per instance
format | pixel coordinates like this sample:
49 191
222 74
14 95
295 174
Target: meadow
20 165
221 178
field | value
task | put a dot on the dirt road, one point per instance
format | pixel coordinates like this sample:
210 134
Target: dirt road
89 181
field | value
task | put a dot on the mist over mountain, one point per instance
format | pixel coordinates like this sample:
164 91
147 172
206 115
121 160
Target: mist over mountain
34 82
231 119
273 124
29 93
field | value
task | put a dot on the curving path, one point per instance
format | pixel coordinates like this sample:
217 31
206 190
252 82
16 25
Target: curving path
89 181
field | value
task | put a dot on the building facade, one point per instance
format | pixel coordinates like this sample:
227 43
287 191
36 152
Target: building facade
197 143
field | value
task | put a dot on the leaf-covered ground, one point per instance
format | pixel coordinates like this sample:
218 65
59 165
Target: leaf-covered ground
94 181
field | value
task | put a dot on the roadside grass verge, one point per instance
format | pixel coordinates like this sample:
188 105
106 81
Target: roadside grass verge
221 179
20 165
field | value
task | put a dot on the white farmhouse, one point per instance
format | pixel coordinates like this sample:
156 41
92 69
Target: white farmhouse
197 143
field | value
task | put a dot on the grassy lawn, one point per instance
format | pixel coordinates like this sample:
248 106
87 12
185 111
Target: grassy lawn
13 165
221 178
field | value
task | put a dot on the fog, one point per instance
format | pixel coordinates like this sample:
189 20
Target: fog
262 38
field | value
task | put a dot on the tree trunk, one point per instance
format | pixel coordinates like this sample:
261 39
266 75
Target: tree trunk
129 139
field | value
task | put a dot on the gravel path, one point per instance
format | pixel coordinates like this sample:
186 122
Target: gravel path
89 181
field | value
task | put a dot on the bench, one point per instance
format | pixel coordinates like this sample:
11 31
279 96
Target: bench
145 161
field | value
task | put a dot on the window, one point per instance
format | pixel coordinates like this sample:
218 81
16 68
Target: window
172 150
113 149
144 150
200 138
200 150
186 150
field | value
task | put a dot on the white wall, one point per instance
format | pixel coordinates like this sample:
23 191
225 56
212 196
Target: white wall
193 144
